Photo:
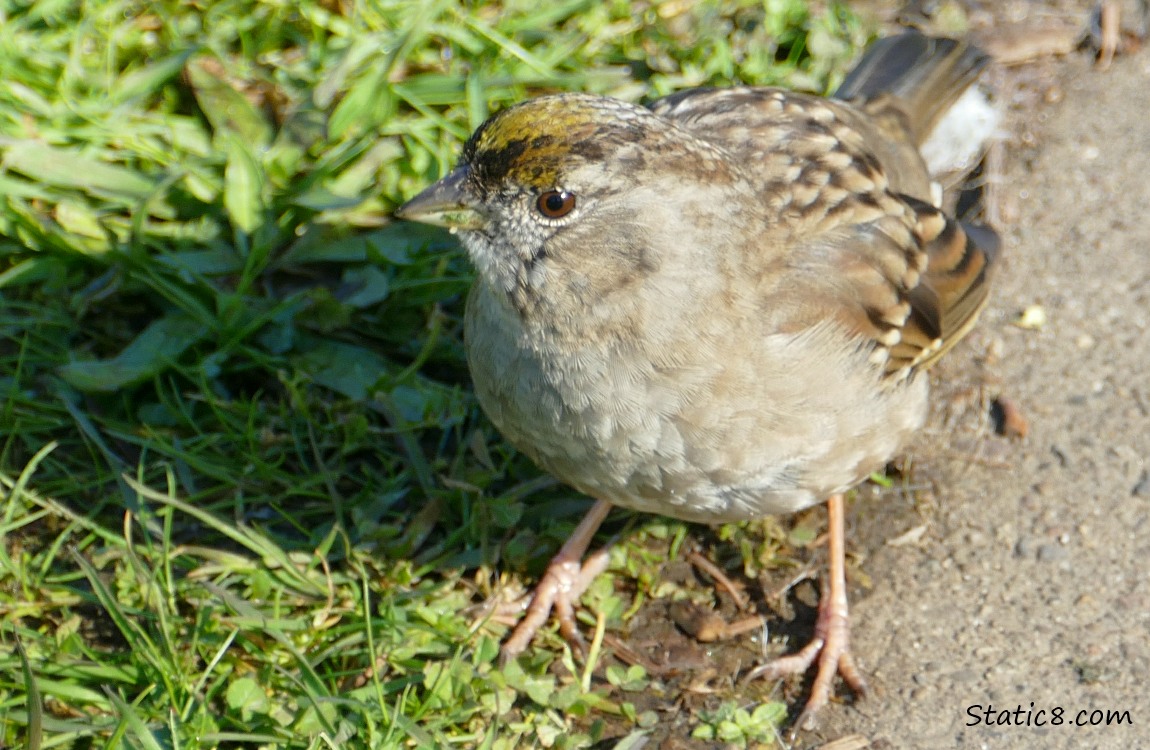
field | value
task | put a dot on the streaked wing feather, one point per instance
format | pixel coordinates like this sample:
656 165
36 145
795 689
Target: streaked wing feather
952 291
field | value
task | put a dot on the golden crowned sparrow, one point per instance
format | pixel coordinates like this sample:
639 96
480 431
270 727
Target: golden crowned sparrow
719 307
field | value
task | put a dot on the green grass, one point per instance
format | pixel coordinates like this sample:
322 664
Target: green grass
249 499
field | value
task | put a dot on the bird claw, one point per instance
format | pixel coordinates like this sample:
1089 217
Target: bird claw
830 647
557 591
829 652
561 586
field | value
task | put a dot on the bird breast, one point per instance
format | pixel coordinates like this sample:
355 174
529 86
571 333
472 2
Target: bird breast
695 421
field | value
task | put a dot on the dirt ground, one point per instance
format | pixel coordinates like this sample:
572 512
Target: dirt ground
1024 581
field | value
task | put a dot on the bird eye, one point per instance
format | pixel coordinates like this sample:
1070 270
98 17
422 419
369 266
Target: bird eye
555 204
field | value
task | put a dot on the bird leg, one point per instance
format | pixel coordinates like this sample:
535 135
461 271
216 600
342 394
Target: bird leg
567 577
831 644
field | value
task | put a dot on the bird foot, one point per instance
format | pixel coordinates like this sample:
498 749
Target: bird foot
558 591
830 648
566 579
831 644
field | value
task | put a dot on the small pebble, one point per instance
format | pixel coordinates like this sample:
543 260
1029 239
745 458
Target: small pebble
1032 318
1008 418
1142 488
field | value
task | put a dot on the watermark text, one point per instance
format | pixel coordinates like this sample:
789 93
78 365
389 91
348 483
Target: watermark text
1055 716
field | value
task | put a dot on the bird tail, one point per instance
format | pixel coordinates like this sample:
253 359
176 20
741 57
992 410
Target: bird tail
925 76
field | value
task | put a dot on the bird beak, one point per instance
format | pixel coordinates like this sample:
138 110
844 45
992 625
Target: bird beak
447 203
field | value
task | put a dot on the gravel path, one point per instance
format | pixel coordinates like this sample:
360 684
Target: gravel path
1031 583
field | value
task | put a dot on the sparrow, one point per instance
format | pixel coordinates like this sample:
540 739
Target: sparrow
717 307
